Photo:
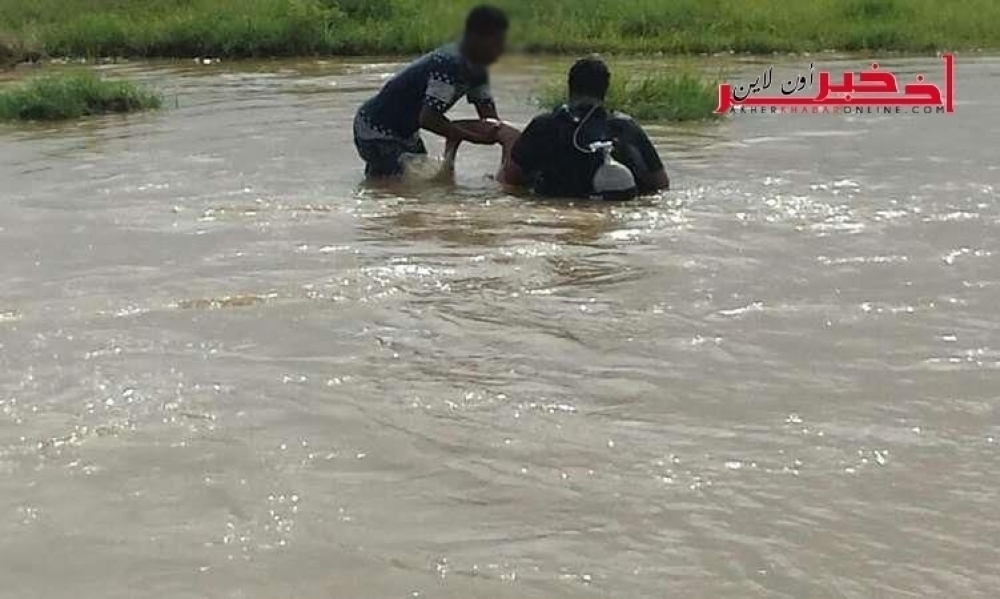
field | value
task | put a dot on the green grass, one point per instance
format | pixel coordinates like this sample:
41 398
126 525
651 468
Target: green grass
243 28
680 96
14 50
69 96
9 50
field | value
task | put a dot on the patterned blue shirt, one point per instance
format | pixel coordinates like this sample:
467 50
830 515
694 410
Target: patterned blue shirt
437 80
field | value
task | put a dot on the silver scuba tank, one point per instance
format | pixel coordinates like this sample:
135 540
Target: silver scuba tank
613 180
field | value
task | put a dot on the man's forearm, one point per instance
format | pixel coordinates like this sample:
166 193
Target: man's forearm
487 110
511 174
476 132
658 181
436 123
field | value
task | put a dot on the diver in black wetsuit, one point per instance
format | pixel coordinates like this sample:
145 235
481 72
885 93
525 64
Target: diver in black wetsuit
579 149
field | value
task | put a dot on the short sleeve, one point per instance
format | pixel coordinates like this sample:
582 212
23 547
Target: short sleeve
442 84
530 150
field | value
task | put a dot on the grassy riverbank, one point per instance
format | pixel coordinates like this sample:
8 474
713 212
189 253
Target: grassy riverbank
661 96
70 96
238 28
13 50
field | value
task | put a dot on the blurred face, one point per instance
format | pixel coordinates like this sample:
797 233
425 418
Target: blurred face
487 49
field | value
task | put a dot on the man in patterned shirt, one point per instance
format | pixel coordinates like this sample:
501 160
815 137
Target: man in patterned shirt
387 127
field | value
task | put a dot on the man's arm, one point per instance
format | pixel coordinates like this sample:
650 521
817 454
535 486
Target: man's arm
510 173
524 153
487 110
480 95
657 181
503 134
477 132
654 176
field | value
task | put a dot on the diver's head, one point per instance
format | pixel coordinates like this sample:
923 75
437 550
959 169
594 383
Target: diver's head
485 35
589 79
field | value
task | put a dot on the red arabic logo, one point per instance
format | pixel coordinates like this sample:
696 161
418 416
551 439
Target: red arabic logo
873 88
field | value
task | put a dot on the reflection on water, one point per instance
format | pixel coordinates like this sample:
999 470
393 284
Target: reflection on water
230 369
237 301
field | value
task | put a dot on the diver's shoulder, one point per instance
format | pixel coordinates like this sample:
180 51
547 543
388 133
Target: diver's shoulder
545 119
625 124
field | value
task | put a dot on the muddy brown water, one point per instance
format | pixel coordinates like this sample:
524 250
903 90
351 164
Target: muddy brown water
227 370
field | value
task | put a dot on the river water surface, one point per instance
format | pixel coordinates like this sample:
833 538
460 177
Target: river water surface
228 370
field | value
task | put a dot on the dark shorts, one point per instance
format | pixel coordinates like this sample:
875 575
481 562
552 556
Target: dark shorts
384 156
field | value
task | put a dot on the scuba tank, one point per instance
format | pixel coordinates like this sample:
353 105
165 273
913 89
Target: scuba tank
612 179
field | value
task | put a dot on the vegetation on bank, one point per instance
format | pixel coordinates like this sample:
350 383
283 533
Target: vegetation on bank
13 51
243 28
70 96
681 96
